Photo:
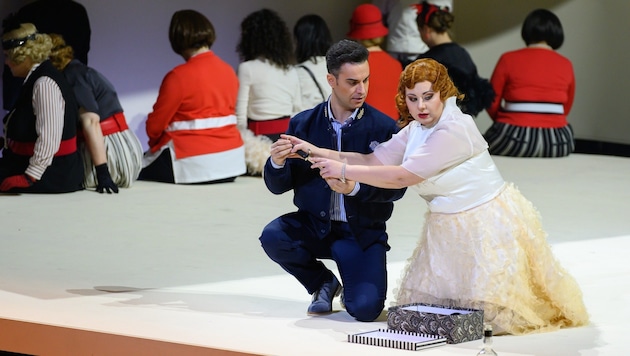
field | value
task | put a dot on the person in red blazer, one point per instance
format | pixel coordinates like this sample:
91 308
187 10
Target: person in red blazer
534 87
192 130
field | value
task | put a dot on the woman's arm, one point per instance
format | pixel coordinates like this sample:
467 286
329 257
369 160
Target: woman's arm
312 151
242 98
167 103
90 123
48 104
498 81
391 177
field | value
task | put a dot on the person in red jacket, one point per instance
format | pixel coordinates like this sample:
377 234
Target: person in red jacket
192 130
536 86
366 27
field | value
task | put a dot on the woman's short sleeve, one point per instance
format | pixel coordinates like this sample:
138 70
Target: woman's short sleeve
392 151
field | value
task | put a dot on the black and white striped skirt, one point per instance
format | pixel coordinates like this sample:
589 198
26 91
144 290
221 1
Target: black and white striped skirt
124 159
518 141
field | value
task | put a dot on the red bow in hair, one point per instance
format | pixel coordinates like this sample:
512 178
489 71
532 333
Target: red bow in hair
425 10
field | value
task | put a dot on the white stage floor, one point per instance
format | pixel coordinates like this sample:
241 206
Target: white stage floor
178 270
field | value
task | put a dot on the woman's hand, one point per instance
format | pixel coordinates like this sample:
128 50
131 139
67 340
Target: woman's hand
338 186
329 168
333 173
301 149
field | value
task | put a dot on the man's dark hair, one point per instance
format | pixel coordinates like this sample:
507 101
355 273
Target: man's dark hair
342 52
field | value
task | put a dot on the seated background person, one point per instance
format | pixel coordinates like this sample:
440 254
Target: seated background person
366 27
40 153
192 130
535 89
112 154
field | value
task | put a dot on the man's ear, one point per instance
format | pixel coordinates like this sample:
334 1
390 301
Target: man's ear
331 80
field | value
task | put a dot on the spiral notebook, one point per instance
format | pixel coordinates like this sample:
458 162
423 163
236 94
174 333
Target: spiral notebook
397 339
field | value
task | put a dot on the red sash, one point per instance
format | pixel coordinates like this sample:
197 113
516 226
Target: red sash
114 123
28 148
269 127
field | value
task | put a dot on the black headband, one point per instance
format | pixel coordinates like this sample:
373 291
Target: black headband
17 42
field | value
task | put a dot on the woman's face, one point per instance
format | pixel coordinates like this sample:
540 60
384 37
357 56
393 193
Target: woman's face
425 34
425 105
18 70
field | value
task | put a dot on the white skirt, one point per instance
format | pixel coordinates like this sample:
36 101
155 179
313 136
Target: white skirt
493 257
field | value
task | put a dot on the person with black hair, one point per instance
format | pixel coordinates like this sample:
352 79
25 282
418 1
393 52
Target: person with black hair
269 86
403 41
535 89
193 137
312 40
340 220
435 25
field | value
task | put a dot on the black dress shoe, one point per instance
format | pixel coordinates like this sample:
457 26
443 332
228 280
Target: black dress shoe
322 298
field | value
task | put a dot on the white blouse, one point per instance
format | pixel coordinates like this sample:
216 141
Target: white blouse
266 92
453 158
310 93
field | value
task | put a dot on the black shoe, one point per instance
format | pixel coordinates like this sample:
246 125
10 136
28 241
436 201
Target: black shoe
322 298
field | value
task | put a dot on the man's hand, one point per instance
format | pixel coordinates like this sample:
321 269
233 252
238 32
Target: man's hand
17 181
280 151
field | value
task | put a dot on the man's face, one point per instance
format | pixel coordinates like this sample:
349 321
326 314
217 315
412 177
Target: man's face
350 87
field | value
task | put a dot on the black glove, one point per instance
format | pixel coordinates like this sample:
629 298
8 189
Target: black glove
104 180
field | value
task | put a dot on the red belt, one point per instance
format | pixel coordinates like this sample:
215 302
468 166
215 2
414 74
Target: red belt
268 127
66 147
113 124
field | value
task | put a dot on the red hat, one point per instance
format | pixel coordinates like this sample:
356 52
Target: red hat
367 23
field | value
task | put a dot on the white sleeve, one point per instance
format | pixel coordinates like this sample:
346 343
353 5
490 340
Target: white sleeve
49 109
242 100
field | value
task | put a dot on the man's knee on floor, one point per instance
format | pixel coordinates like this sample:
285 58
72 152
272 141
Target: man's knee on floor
364 308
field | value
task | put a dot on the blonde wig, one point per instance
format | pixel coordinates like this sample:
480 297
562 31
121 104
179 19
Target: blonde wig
429 70
61 54
33 45
378 41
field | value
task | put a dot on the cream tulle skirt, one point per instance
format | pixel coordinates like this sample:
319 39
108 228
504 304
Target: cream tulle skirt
494 257
124 159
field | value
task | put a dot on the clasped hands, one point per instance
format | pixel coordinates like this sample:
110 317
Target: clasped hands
287 146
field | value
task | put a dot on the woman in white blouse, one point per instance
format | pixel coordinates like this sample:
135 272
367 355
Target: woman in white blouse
269 88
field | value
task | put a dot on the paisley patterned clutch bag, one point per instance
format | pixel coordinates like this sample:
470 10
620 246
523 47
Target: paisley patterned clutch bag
455 324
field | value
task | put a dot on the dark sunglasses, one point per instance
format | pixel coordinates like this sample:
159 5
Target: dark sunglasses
17 42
